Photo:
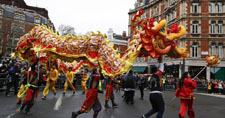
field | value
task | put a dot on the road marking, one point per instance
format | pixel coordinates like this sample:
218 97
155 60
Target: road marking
12 114
213 95
58 103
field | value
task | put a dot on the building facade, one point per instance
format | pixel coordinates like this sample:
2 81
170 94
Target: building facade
205 23
16 19
119 42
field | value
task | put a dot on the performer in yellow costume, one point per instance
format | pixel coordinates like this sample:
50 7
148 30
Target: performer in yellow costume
69 81
51 81
85 77
22 86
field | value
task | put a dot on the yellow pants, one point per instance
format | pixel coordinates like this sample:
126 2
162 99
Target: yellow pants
68 84
22 88
83 85
49 85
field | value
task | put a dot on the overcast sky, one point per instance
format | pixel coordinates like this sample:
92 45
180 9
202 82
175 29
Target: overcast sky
88 15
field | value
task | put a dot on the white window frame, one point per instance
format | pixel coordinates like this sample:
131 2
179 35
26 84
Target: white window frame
167 3
37 20
194 50
213 49
174 14
155 11
1 12
212 7
220 7
166 17
19 16
220 27
220 51
195 28
213 28
195 7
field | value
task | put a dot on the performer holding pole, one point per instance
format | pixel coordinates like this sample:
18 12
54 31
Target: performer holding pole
69 80
32 89
109 92
92 100
51 81
186 95
84 79
23 83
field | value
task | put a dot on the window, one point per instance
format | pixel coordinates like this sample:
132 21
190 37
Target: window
166 3
195 27
1 12
19 16
194 50
213 49
220 51
118 47
18 30
37 20
220 27
194 7
166 17
213 27
174 14
155 11
220 7
143 16
213 8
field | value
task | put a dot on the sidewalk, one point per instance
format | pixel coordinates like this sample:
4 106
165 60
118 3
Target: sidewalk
213 95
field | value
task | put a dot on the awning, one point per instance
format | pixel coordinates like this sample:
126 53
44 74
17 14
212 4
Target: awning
139 69
220 74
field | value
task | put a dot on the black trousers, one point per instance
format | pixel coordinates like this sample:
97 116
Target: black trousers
142 91
129 96
9 85
158 105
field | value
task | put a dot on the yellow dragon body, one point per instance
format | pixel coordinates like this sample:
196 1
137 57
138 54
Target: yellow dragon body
94 50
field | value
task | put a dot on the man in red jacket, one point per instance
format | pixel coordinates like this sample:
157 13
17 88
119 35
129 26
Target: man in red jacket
186 95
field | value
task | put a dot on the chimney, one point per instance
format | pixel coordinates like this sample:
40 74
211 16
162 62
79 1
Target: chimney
124 37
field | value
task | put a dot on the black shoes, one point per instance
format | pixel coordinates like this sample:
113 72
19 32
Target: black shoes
74 115
107 106
115 105
44 98
18 103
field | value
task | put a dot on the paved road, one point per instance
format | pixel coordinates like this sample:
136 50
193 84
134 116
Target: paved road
204 106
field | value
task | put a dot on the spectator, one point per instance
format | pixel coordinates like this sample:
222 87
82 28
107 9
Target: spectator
13 78
142 84
129 86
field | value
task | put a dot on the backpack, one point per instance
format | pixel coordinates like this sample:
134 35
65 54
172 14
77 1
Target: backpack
154 83
129 83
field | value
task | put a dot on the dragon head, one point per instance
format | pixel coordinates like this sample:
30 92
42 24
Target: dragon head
156 39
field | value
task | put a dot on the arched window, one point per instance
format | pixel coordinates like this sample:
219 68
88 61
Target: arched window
220 27
213 27
195 49
213 49
220 50
195 27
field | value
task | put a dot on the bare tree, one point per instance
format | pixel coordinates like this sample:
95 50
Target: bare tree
66 30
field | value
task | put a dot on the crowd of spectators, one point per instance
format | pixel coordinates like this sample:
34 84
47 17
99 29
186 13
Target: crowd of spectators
10 77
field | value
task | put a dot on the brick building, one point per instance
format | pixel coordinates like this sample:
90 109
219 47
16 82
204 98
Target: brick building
16 19
205 23
120 41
